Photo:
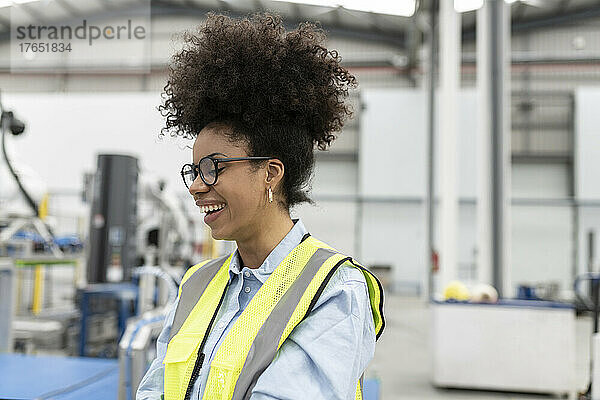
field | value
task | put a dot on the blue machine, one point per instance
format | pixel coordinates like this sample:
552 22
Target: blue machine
124 293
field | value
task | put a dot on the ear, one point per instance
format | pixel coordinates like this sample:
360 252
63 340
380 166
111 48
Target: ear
275 171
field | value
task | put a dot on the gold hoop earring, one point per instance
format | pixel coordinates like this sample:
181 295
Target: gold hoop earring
270 195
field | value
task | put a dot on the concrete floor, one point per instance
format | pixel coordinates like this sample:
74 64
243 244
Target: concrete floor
402 357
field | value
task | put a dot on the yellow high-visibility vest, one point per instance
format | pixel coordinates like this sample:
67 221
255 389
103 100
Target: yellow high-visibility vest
282 302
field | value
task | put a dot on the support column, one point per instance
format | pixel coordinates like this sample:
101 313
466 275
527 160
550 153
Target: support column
494 158
484 148
450 58
431 164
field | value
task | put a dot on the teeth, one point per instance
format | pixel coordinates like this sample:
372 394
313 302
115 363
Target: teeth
206 209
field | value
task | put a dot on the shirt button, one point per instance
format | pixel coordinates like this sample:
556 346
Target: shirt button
247 274
247 289
221 325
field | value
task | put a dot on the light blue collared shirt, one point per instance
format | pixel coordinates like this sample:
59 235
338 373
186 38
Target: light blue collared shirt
322 358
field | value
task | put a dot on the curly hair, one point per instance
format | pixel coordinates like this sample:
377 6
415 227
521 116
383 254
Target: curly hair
280 92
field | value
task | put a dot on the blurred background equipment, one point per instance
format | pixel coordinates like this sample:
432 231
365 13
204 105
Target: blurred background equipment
7 284
484 293
113 219
137 347
456 290
511 345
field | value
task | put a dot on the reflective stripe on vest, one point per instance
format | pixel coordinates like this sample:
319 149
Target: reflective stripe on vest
194 289
184 355
283 301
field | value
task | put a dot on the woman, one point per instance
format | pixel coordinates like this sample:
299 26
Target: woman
285 316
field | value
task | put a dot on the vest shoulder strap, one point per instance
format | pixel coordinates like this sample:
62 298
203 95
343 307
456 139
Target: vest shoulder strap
195 282
375 293
184 356
375 297
191 271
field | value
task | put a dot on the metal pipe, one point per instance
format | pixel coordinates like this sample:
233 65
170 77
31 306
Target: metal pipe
430 151
496 82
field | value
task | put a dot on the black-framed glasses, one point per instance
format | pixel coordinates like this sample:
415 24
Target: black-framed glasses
208 168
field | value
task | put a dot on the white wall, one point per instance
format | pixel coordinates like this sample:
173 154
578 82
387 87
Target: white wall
66 131
334 218
542 234
392 179
587 169
542 243
393 128
587 143
393 140
392 143
393 168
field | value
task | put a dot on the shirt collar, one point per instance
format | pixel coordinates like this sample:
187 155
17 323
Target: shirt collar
275 257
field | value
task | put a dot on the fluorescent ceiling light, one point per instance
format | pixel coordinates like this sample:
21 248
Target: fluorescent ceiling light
467 5
471 5
8 3
404 8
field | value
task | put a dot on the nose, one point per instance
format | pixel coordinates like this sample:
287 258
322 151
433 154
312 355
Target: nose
198 186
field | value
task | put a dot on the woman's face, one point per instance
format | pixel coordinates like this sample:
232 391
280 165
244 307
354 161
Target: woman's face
241 190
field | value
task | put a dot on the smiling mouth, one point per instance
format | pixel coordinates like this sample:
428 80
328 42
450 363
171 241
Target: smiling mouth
214 211
211 209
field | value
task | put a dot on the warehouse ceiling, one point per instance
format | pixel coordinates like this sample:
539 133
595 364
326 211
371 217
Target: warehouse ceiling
526 14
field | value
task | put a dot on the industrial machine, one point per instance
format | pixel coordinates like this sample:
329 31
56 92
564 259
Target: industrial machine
113 219
133 220
165 233
29 252
7 283
533 342
20 207
137 347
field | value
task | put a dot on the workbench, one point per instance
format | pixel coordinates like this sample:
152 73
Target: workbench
59 378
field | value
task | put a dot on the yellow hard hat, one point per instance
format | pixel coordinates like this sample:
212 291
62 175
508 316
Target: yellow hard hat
456 290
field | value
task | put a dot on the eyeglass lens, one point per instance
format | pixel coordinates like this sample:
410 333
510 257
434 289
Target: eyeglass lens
188 174
207 169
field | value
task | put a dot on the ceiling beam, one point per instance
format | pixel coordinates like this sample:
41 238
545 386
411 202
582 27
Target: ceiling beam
29 9
5 22
258 5
68 7
106 4
517 15
557 19
562 7
223 6
551 20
